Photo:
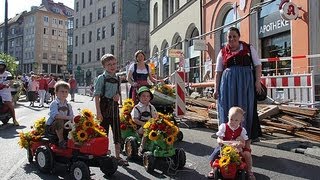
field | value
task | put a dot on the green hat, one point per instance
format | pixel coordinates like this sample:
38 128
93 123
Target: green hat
145 89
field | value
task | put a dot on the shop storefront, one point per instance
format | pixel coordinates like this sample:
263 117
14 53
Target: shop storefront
275 37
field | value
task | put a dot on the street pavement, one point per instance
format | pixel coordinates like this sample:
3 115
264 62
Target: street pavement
270 159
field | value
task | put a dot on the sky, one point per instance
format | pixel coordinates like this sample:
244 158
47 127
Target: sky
18 6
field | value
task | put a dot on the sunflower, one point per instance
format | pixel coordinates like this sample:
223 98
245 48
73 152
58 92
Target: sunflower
153 135
82 135
227 150
170 140
87 114
224 161
87 124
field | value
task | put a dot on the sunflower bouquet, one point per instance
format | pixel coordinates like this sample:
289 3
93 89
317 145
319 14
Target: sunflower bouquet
229 155
161 129
37 130
85 127
165 89
126 121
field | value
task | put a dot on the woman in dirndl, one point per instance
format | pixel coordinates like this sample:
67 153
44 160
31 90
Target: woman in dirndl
237 78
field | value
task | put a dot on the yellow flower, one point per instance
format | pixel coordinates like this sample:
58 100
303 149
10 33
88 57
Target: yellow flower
170 140
128 102
153 135
224 161
82 135
226 150
87 114
146 125
87 124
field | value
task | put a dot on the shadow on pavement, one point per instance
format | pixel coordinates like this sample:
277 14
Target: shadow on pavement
276 164
35 108
133 172
120 175
296 144
59 172
261 176
8 131
193 148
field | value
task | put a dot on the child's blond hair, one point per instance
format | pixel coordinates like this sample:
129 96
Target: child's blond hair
106 58
235 110
61 84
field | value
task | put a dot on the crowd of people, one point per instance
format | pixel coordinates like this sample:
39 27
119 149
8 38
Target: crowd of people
40 87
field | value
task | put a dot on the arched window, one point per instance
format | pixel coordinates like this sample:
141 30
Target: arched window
178 45
155 15
228 18
194 33
165 58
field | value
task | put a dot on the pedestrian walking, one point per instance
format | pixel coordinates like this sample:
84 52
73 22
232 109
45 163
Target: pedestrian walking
51 83
43 88
73 86
33 87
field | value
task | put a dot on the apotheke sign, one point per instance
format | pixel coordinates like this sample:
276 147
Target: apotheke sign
272 24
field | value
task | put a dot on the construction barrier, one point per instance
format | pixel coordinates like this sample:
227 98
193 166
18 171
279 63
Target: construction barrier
180 93
297 88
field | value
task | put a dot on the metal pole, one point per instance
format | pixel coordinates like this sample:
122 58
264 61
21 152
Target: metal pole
5 46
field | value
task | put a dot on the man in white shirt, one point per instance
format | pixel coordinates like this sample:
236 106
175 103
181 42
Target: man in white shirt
5 92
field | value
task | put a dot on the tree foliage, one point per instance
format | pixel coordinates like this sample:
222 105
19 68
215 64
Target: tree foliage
10 61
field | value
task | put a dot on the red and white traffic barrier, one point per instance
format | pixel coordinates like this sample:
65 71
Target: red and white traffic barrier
180 94
291 88
283 81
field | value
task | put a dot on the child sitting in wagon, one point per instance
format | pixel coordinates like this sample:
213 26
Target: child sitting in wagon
142 112
232 131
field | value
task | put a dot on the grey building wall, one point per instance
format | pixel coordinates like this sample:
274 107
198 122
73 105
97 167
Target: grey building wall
136 37
135 29
15 38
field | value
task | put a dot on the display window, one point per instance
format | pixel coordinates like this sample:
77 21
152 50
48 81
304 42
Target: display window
278 45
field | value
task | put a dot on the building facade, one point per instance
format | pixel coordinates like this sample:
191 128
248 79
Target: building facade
38 38
173 25
15 38
267 31
272 35
100 27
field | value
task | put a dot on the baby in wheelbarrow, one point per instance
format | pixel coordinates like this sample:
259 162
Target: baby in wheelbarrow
233 134
142 112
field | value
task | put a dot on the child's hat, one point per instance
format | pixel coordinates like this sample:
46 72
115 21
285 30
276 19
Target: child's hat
145 89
